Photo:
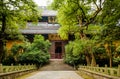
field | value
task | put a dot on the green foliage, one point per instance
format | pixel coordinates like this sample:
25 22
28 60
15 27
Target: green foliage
37 52
110 18
110 13
100 49
118 49
37 57
16 14
101 55
116 57
12 56
94 30
29 53
75 51
13 15
75 15
70 58
8 60
56 4
16 48
116 61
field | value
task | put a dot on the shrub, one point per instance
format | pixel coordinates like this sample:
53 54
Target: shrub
30 53
37 52
71 57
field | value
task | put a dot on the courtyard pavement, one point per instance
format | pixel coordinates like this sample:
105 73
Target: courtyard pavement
56 69
55 75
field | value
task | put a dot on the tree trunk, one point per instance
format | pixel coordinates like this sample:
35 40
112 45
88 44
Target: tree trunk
2 37
88 59
110 61
1 50
110 58
110 54
93 62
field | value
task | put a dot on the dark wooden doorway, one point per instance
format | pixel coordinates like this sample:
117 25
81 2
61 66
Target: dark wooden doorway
58 50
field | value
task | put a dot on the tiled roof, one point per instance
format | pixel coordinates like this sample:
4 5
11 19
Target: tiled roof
38 31
49 13
41 28
42 24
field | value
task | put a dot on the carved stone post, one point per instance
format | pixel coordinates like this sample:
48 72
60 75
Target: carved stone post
118 74
1 68
106 70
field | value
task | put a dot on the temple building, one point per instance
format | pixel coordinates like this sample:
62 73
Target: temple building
47 26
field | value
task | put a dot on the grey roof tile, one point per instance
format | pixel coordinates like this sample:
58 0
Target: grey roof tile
38 31
49 13
40 28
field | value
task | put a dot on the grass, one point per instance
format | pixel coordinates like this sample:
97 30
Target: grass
85 76
27 75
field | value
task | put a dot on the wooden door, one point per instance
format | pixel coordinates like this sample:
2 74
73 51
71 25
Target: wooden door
58 50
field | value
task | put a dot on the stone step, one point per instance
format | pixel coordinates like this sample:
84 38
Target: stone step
57 65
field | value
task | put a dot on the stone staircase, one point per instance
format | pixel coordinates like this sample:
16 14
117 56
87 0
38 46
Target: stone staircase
57 65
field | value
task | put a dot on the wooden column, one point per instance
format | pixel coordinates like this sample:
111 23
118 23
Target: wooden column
52 49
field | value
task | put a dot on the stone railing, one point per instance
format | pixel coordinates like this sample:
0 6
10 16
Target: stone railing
104 72
12 72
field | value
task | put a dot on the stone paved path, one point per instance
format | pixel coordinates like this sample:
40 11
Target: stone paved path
56 75
56 70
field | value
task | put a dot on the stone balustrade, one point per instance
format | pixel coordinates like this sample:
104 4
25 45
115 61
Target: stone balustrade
12 72
104 72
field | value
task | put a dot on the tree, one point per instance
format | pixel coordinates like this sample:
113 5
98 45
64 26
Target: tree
72 13
82 13
13 15
75 49
71 57
12 56
75 17
37 52
110 18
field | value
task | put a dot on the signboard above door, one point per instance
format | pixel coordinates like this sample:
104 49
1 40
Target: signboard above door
54 37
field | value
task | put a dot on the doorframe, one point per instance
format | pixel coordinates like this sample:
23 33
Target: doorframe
58 49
